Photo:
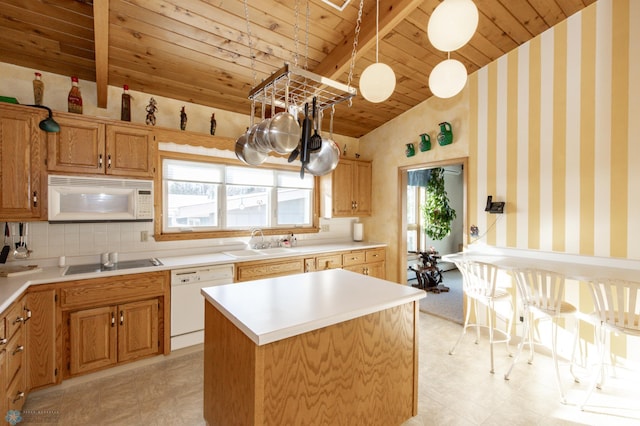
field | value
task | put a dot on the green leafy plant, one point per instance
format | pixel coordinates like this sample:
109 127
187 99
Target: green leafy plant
436 211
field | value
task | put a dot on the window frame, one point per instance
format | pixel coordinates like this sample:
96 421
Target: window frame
160 235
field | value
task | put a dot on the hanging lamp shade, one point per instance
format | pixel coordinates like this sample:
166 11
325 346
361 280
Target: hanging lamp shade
452 24
377 82
448 78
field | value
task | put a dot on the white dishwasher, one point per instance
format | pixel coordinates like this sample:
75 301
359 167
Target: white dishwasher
187 304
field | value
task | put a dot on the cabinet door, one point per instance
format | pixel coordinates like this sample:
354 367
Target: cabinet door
78 148
362 187
341 186
20 165
41 339
92 334
138 329
130 151
376 270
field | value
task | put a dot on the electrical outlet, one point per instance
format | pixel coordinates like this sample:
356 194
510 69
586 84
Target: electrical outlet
144 236
324 228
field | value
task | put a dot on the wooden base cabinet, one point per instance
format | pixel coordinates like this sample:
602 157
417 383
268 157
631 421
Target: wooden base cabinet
14 357
113 320
43 330
104 336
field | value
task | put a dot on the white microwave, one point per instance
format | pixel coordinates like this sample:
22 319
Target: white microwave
86 199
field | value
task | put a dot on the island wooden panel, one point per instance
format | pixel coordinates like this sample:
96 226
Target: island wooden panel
362 371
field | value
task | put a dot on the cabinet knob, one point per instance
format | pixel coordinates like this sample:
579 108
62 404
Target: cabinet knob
109 161
18 349
121 317
100 161
3 341
35 198
113 319
17 320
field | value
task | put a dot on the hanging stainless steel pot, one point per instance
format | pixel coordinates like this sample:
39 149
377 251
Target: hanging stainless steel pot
284 130
324 160
259 137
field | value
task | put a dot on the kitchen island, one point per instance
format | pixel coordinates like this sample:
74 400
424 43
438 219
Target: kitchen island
328 347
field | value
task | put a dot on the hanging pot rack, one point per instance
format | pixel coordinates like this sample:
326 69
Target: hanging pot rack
301 86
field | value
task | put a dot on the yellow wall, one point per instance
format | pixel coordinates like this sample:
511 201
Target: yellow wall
551 128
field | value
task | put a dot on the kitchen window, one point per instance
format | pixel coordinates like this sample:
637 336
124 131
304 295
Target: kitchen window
200 196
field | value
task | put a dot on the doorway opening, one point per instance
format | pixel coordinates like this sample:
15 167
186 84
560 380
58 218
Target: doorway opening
414 240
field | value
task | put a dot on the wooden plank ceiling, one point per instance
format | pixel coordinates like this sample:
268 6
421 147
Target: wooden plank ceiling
200 51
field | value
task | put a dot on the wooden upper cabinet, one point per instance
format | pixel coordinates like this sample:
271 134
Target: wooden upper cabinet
91 147
21 164
79 147
130 151
350 188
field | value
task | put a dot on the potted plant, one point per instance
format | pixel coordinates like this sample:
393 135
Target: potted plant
436 211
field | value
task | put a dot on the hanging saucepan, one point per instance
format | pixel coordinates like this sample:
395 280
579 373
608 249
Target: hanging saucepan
325 159
244 151
284 130
260 138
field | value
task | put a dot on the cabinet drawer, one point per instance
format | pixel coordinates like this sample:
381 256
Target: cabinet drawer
15 355
16 392
329 262
113 290
353 258
14 318
375 255
268 270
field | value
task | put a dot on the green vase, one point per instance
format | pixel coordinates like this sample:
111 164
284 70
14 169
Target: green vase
425 142
445 137
410 151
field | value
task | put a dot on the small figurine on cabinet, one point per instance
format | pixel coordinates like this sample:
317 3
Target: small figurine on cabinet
151 112
183 119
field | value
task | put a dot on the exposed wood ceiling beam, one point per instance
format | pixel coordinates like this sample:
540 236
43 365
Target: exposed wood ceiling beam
391 14
101 36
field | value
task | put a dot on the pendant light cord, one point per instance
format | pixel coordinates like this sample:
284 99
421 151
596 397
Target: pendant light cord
377 14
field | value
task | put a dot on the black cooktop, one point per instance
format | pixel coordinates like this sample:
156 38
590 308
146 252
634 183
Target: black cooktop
98 267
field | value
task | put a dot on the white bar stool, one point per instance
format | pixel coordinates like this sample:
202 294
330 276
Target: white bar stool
480 287
617 307
543 292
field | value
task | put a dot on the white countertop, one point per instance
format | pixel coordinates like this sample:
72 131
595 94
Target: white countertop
582 268
273 309
11 288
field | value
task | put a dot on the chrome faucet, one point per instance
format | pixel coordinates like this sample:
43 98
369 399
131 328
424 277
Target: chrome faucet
262 244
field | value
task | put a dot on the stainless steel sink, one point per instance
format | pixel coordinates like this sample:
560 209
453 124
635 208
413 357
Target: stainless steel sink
98 267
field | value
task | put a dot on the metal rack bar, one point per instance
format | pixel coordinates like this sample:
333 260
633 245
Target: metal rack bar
303 86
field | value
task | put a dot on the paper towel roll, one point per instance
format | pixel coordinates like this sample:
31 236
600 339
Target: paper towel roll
357 231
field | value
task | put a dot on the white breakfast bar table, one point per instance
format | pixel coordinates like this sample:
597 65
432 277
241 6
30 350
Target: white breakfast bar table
326 347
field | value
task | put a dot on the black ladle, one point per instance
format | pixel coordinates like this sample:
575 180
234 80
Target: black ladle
48 124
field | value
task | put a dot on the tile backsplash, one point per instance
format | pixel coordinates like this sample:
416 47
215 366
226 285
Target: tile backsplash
82 240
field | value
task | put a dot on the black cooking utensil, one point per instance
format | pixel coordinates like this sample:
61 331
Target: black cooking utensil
315 141
5 250
306 135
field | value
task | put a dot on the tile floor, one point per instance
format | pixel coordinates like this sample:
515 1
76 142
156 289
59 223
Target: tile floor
453 390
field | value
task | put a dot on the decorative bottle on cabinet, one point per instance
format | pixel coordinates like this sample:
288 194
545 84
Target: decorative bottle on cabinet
75 98
38 89
125 110
214 124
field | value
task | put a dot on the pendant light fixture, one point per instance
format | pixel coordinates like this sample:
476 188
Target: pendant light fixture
378 80
448 78
452 24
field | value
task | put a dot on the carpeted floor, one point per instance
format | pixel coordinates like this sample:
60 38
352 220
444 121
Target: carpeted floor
447 305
